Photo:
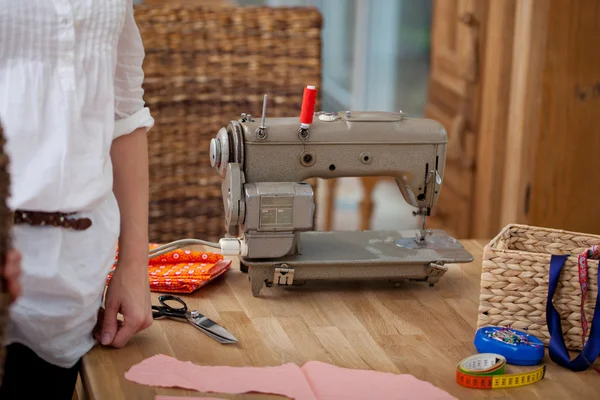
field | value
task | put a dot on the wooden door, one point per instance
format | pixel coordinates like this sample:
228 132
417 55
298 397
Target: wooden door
453 100
553 171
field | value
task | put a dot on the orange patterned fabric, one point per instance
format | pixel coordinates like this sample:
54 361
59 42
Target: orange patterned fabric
182 271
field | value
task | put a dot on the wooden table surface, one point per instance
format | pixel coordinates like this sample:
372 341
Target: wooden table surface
413 329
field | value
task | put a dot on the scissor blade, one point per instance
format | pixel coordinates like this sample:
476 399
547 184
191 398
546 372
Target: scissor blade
211 328
216 337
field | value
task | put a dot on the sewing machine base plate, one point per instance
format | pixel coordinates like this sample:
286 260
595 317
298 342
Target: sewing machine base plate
361 255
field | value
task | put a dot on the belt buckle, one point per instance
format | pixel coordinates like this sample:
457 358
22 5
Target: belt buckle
81 224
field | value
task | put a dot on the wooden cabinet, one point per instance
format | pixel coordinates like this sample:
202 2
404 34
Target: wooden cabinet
553 139
454 100
516 85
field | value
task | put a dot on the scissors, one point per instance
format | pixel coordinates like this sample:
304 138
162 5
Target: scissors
194 317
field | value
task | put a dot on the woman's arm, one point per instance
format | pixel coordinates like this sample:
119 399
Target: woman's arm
129 156
129 291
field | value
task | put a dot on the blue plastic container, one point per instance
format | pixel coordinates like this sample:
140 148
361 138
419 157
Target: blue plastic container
529 351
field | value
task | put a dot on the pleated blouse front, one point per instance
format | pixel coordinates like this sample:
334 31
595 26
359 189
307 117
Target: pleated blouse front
70 82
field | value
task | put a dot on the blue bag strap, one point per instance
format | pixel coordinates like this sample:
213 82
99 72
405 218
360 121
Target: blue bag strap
557 348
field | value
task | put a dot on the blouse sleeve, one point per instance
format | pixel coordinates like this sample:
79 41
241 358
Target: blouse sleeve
130 110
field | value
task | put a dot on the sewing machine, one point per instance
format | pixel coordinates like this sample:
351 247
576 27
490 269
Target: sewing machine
269 209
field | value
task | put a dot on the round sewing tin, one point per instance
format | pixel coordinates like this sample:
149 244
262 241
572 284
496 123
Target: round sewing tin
519 348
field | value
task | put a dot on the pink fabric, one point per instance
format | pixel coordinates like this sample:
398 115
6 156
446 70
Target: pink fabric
314 381
331 383
163 371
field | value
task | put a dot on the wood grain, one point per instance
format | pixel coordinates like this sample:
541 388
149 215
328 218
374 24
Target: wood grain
496 73
530 36
454 99
413 329
531 112
566 180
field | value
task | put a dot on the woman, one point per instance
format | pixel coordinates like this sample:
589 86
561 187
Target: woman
75 124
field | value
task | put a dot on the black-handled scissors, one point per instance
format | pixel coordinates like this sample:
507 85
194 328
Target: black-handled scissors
194 317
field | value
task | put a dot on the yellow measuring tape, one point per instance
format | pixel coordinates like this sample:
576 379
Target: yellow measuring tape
486 371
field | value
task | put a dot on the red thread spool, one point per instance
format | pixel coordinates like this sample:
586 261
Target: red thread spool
308 106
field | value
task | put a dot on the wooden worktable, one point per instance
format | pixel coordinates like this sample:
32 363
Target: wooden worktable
413 329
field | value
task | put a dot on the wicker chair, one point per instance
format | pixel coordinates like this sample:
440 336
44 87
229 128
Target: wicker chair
205 66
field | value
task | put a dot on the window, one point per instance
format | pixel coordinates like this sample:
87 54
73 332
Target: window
375 53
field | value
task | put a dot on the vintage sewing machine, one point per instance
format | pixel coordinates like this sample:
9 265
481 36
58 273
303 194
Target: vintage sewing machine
270 209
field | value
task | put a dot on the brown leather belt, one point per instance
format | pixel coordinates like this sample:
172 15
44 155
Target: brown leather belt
57 219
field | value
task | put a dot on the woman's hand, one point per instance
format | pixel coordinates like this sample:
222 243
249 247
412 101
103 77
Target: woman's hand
128 293
12 274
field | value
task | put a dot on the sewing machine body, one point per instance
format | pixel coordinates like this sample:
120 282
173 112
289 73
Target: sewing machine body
271 210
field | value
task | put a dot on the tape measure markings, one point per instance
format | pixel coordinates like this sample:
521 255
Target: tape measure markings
486 371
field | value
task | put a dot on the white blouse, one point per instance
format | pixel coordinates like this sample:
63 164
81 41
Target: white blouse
70 83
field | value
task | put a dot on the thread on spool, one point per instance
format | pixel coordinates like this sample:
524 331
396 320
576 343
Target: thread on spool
308 106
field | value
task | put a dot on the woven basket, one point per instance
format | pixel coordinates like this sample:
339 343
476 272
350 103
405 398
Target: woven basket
205 66
5 243
514 281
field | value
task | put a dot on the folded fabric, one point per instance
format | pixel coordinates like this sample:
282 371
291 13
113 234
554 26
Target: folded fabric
315 380
184 256
181 271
